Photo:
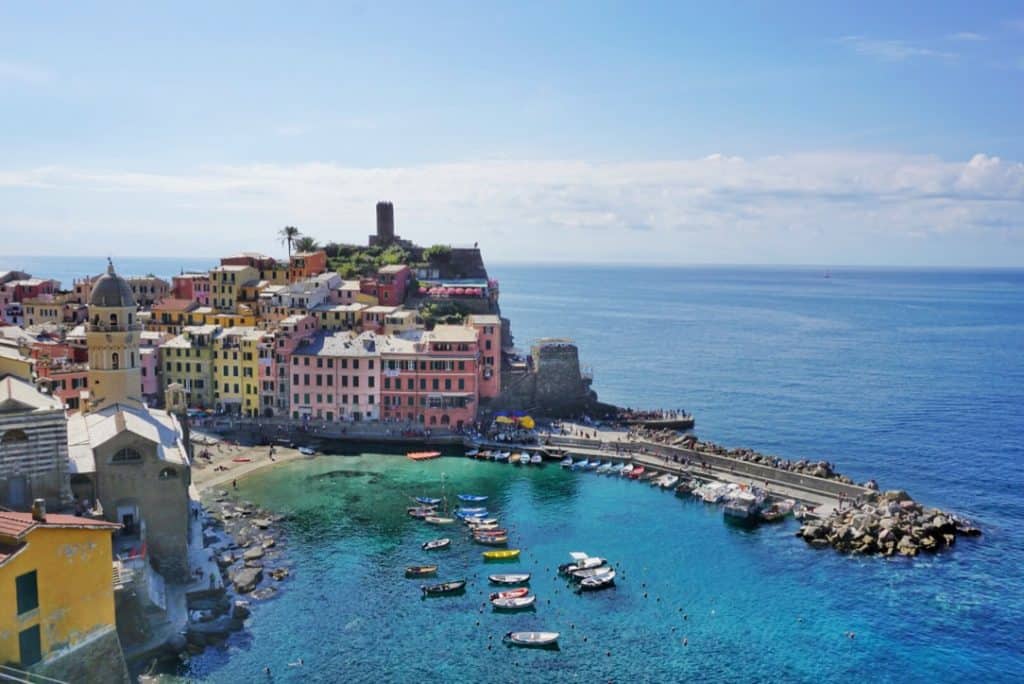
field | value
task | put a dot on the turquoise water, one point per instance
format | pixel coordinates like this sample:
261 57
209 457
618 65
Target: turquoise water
758 604
914 377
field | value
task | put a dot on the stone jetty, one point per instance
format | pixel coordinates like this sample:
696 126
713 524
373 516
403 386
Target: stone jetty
886 524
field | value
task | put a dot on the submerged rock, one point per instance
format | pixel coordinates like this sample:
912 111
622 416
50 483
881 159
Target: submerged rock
246 579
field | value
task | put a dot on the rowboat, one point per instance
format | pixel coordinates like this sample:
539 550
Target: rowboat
604 468
491 532
503 554
517 603
438 520
420 512
420 570
626 470
427 500
524 458
566 462
435 544
472 453
598 582
582 564
472 498
453 587
591 465
517 578
423 455
501 456
579 575
582 463
533 639
474 521
669 481
650 475
470 512
537 459
492 541
483 455
636 473
307 450
510 593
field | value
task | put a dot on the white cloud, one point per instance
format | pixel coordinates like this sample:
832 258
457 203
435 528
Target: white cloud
790 208
24 73
892 50
967 37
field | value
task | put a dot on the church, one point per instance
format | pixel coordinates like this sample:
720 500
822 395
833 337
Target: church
134 461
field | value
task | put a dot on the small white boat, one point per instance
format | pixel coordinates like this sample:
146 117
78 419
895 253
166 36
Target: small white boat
584 563
438 520
474 522
524 458
598 582
533 639
604 468
307 450
566 462
434 544
510 578
537 459
592 572
502 456
514 603
626 470
472 453
669 481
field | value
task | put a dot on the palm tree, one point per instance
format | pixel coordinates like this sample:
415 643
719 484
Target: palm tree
306 244
288 235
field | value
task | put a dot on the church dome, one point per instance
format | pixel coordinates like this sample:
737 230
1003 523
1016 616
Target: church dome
111 290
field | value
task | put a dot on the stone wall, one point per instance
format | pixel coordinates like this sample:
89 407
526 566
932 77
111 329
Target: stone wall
35 467
553 386
98 660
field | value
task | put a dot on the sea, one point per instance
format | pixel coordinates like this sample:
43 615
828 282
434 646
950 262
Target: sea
912 377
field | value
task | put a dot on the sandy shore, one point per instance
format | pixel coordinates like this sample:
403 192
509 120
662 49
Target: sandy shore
221 468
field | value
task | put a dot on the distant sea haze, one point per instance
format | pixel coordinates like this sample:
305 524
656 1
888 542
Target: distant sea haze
67 269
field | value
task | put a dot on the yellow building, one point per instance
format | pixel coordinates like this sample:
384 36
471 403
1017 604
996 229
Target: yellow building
236 370
56 592
188 360
226 285
14 362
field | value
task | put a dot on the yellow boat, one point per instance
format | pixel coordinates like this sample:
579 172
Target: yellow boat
503 554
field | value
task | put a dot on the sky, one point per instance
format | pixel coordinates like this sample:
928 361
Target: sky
737 133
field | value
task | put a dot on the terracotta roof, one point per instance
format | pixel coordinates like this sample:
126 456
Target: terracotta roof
174 304
17 525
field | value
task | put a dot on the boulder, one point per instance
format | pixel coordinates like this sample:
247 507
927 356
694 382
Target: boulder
255 553
246 579
268 543
225 559
261 523
906 547
240 610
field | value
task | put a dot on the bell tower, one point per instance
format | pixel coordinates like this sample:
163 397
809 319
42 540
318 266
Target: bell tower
112 336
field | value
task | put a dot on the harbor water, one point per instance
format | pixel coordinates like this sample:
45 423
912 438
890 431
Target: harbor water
915 378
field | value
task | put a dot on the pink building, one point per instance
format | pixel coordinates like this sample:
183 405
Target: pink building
274 380
149 363
389 285
194 287
431 378
335 376
488 330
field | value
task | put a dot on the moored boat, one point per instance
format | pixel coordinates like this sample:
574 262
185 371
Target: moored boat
536 459
452 587
591 465
581 561
435 544
307 450
626 470
604 468
492 541
503 554
579 575
743 507
636 473
427 500
477 521
472 453
421 511
438 520
510 593
502 456
777 511
598 582
669 481
566 462
515 603
510 578
420 570
533 639
472 498
423 455
580 464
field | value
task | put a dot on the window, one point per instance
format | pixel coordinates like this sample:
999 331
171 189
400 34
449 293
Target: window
29 646
115 361
462 384
447 383
126 455
168 474
435 384
28 592
355 381
15 435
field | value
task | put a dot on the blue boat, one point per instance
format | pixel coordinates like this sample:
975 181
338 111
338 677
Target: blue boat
472 497
471 512
471 516
591 465
566 462
427 500
582 463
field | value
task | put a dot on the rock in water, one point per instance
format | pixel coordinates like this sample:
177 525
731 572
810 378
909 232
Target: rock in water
246 579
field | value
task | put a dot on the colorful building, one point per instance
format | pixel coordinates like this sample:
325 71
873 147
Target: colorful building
57 598
488 329
304 265
226 283
236 370
172 314
192 286
334 376
290 333
188 360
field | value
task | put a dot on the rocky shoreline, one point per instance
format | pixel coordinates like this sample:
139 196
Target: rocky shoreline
887 524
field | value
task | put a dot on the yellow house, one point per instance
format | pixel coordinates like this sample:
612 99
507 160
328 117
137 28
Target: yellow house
226 285
236 370
14 362
56 589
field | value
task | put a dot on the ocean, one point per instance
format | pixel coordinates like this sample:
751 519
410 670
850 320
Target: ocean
912 377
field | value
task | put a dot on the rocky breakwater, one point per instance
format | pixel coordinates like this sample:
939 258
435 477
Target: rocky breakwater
247 544
886 524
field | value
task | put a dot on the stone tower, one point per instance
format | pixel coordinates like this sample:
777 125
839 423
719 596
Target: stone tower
112 336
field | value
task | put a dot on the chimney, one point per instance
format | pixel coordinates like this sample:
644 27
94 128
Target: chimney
39 510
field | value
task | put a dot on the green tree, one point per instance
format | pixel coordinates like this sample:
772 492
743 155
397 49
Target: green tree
288 235
437 253
306 244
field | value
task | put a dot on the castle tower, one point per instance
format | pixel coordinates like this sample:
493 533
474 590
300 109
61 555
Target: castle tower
385 223
112 337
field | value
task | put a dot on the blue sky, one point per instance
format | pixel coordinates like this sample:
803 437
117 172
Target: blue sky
677 133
